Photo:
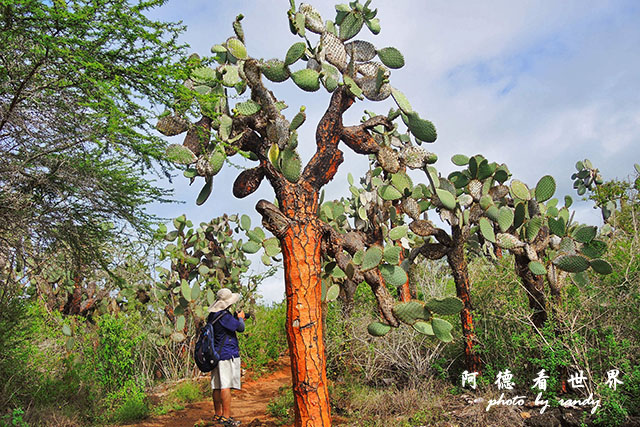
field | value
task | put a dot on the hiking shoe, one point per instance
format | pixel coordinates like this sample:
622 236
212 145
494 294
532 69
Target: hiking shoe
229 422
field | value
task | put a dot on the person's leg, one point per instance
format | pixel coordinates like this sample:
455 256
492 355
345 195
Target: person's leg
225 395
218 402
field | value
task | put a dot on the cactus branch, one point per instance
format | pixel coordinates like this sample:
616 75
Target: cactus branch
272 218
360 140
324 164
335 243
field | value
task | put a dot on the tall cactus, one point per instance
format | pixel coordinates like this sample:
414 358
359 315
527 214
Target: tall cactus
258 130
527 222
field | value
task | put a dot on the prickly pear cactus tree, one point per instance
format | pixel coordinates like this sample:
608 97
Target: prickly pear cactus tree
256 128
528 222
368 240
610 196
392 212
203 260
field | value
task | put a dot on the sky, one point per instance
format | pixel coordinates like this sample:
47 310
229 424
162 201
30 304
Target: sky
537 85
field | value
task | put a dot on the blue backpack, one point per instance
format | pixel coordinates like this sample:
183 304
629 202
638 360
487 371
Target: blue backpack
205 354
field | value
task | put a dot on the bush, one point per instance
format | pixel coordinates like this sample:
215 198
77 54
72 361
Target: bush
402 357
281 407
128 403
264 339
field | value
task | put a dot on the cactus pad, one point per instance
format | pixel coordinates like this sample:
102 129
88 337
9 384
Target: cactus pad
557 226
411 208
247 182
520 190
393 275
332 293
422 129
306 79
446 198
460 160
334 50
389 192
424 328
585 234
236 48
247 108
361 50
422 227
216 160
180 154
533 228
414 157
508 241
275 70
295 52
205 192
594 249
442 329
493 213
545 188
487 230
571 263
172 125
505 218
290 165
410 312
537 268
601 266
313 20
203 167
298 119
475 189
372 257
486 202
444 306
392 254
519 215
388 159
391 57
378 329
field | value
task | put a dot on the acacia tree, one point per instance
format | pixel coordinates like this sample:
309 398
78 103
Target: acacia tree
257 129
76 142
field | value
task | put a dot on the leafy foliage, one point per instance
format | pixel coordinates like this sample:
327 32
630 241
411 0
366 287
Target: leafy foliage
76 142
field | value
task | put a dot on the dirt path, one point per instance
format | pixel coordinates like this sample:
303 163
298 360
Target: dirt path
248 405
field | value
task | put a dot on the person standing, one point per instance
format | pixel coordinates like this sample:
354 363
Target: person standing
226 375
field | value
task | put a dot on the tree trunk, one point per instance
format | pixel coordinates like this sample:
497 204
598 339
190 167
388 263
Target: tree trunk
459 269
302 268
535 290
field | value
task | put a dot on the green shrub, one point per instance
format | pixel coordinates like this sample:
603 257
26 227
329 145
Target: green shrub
264 339
14 419
115 358
281 407
187 391
128 403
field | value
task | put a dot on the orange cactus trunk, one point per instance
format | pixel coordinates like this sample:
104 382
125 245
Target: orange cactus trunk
302 267
459 269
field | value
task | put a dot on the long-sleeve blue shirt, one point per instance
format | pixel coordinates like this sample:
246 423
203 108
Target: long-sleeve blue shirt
226 341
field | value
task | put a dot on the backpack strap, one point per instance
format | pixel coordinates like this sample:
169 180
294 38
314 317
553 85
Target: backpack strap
226 337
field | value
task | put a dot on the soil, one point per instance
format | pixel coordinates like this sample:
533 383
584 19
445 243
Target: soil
248 405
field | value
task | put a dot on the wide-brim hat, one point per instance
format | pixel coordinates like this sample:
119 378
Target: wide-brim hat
225 298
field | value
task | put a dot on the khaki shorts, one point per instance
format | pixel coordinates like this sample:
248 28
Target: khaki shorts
226 374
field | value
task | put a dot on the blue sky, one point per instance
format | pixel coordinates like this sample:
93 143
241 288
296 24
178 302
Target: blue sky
537 85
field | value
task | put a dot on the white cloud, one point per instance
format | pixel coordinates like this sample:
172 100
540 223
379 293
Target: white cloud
535 84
